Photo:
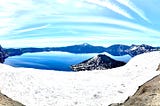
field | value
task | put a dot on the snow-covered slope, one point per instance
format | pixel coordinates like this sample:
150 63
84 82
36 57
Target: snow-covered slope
89 88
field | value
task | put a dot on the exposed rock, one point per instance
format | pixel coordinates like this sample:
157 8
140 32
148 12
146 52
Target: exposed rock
139 49
3 55
115 104
6 101
99 62
147 95
158 69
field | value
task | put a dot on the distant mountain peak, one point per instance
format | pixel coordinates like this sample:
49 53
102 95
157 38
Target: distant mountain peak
86 44
101 58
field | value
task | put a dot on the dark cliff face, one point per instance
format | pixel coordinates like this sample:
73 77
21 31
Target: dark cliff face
3 55
99 62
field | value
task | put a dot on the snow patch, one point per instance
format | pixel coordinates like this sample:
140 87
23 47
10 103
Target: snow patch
90 88
134 48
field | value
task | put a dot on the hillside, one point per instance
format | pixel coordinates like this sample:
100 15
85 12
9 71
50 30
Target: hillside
3 55
34 87
99 62
6 101
147 94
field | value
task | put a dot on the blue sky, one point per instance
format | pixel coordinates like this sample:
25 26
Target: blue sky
44 23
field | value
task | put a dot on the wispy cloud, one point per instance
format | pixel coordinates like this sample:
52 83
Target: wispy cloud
134 8
71 21
106 20
31 29
95 40
18 13
111 6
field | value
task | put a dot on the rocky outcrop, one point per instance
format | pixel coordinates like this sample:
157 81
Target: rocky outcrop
158 69
139 49
147 95
6 101
99 62
3 55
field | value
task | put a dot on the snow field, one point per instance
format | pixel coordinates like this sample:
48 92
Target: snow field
90 88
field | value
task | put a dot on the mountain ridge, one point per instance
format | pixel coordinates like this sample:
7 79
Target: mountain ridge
3 54
116 49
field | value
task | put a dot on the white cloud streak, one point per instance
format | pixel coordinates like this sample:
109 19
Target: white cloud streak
32 29
17 14
111 6
106 20
134 8
59 42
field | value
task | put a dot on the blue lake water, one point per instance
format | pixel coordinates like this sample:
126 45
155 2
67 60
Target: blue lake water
60 61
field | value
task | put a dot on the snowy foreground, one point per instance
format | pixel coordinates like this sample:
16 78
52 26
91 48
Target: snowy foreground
95 88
